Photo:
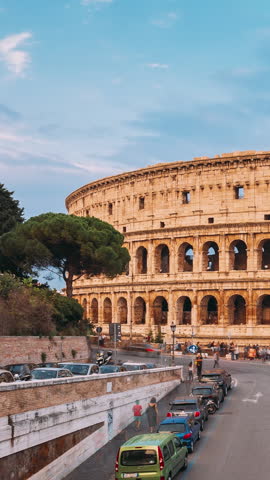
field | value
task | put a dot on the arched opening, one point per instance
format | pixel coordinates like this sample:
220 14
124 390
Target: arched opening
185 258
160 311
237 310
94 311
162 259
264 255
139 311
210 256
183 311
209 310
238 255
141 260
122 310
84 305
263 310
107 311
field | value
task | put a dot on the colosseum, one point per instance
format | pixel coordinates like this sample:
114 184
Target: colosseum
198 233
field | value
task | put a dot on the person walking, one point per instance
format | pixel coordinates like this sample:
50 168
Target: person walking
236 352
152 413
216 359
190 372
199 361
137 412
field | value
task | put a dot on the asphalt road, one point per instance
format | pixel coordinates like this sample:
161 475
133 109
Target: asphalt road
235 442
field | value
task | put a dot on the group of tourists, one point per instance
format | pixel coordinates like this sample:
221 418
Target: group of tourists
151 414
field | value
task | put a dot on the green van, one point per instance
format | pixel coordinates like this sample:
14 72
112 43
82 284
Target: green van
154 456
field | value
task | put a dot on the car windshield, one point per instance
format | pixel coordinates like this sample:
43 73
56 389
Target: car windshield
78 369
16 368
138 457
184 407
108 369
202 391
43 374
172 427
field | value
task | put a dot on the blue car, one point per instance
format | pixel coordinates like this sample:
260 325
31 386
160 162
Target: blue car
186 428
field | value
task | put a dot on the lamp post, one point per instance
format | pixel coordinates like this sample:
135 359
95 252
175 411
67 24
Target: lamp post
173 328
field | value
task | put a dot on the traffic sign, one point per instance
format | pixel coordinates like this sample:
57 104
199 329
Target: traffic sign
99 329
192 349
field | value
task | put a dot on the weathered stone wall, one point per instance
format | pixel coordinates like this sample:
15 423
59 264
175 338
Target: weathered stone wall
29 349
48 428
205 228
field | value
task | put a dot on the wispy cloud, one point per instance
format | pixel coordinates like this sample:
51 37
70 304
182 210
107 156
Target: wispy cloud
12 54
93 2
158 65
165 21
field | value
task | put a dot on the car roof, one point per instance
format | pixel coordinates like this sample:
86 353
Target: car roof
148 439
75 363
182 419
49 369
184 400
202 385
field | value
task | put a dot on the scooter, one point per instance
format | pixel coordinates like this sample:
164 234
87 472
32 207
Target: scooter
101 359
211 406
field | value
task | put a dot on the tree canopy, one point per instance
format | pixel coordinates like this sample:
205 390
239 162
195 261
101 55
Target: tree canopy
70 245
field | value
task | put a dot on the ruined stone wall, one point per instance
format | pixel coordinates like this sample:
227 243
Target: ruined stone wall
198 234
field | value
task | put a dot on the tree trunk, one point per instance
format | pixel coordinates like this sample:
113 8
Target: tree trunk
69 285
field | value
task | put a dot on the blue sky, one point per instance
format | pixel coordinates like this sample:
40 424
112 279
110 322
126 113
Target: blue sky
90 88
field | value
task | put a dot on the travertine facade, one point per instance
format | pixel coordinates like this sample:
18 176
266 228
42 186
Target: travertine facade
198 233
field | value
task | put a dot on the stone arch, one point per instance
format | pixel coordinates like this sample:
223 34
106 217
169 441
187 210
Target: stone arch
183 311
160 311
237 310
264 255
122 310
185 258
107 310
162 259
263 310
94 311
209 310
139 311
84 305
238 255
141 260
210 256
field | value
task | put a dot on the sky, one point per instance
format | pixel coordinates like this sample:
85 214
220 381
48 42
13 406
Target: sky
90 88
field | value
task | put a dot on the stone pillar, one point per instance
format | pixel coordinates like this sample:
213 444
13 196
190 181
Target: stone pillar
150 258
148 320
252 254
171 308
197 260
173 257
100 309
221 309
195 321
129 307
223 254
114 308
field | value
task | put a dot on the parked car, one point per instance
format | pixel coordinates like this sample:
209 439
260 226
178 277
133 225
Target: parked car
16 368
208 391
189 405
130 366
156 455
220 376
145 348
47 365
186 428
6 376
151 365
80 368
46 373
111 369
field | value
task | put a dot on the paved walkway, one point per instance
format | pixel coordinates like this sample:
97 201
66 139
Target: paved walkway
101 465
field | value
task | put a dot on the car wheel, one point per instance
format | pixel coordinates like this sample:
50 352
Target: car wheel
191 448
185 463
199 435
202 426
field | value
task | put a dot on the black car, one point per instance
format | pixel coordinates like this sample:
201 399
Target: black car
208 391
219 376
16 368
190 405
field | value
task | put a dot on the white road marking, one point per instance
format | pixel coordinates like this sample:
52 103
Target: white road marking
253 400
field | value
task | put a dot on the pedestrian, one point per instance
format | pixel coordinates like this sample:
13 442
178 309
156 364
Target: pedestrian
236 352
152 413
216 359
190 372
245 352
199 365
137 412
231 350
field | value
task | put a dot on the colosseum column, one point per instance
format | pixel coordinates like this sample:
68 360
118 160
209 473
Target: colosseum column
171 306
252 254
100 309
197 254
114 307
148 320
173 257
150 261
194 312
221 309
223 254
250 310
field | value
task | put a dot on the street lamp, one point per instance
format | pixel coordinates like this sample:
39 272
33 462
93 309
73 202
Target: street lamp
173 328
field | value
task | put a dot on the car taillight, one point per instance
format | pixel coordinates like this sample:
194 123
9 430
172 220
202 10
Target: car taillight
187 435
196 414
169 414
161 459
117 461
149 350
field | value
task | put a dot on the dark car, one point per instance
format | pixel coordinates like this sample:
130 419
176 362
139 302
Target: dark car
6 376
16 368
145 348
49 373
48 365
219 376
189 405
186 428
208 391
80 368
111 369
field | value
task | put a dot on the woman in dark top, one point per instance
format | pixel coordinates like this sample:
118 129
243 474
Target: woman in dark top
152 413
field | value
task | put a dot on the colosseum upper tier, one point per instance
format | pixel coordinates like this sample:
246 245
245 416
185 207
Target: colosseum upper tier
198 233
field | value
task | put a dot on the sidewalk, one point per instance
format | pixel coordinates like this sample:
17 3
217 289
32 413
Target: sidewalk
101 465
